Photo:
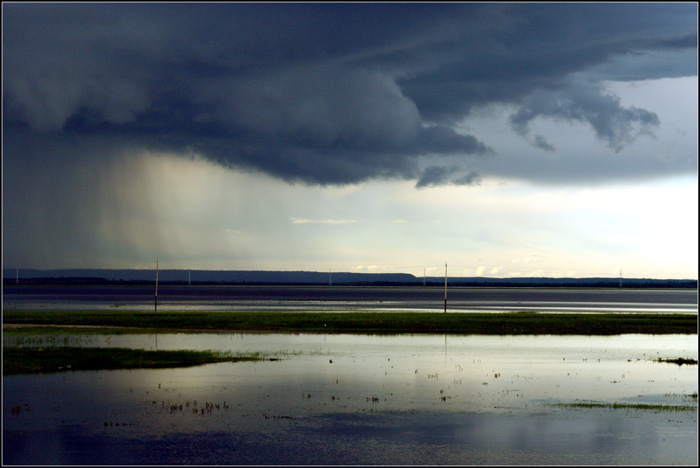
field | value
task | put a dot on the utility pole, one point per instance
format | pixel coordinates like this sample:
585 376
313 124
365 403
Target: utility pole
620 277
445 287
423 276
156 297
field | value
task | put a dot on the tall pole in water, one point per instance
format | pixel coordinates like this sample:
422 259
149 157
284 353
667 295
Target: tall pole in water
620 277
330 278
445 287
156 297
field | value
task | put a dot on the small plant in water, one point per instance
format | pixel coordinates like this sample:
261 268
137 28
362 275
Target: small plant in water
680 361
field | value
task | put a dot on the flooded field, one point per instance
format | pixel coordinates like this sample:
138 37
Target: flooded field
359 399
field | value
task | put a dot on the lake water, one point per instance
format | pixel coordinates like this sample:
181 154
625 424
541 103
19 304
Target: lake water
360 399
350 298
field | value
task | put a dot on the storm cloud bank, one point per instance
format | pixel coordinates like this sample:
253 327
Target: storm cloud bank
333 93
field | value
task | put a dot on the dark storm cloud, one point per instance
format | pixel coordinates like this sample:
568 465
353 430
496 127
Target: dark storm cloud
331 93
442 175
612 123
542 143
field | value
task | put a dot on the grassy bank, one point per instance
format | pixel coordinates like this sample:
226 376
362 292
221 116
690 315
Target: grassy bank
360 322
32 360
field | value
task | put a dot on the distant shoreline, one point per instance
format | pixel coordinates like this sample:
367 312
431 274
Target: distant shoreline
194 277
199 278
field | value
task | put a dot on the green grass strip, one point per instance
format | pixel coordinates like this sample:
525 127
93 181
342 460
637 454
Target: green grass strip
33 360
516 323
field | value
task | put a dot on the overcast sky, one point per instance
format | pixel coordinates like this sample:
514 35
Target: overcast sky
505 139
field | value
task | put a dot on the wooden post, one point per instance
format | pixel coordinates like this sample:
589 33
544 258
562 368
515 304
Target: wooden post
445 287
156 297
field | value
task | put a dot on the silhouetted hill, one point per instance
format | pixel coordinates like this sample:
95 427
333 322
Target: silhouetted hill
85 276
104 276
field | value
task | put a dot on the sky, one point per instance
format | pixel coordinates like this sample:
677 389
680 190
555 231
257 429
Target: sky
506 140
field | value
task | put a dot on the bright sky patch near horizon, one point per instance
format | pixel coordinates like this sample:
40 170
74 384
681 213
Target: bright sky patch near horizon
504 139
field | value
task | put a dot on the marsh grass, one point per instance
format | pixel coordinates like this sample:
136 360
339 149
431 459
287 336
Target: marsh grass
517 323
41 360
679 361
635 406
53 339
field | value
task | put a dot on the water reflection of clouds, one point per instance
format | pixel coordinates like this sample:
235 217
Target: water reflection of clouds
387 438
479 396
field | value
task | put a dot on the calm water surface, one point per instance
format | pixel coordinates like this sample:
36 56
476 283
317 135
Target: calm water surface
348 299
358 399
